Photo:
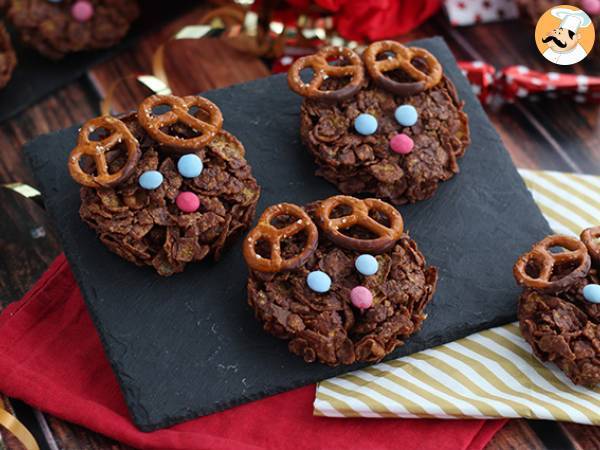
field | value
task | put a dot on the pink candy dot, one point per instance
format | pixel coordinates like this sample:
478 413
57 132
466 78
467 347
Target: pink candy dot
401 143
82 11
361 297
188 202
591 6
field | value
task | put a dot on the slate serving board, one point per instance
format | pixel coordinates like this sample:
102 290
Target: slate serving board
188 345
37 76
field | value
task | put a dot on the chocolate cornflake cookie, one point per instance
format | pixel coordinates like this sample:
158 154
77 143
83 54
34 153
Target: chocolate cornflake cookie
389 123
8 58
164 186
559 310
57 28
338 279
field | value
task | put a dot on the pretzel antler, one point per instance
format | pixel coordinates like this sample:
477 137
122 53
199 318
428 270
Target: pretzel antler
591 239
266 231
97 150
386 236
319 63
179 113
544 262
402 59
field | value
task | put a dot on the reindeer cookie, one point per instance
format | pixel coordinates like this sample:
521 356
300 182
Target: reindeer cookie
388 123
559 310
339 279
58 27
164 186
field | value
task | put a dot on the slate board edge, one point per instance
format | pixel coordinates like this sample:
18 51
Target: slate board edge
143 421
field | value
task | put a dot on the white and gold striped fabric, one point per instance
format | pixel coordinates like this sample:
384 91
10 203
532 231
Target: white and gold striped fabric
489 374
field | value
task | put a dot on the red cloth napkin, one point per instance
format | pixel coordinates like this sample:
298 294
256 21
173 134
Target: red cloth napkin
373 19
52 358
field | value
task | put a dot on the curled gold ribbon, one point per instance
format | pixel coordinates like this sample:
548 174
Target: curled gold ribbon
26 191
17 429
243 29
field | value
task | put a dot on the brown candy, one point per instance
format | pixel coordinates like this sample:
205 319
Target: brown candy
266 231
386 235
591 239
180 113
319 63
402 60
539 269
97 150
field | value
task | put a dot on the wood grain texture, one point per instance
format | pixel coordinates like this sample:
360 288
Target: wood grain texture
516 435
550 135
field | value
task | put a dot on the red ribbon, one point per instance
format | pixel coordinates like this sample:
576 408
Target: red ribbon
515 82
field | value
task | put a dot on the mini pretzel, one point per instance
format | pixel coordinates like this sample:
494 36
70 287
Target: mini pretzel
545 261
179 112
97 150
264 230
590 238
322 70
403 57
387 236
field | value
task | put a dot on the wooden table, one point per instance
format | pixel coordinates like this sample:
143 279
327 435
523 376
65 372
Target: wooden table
547 134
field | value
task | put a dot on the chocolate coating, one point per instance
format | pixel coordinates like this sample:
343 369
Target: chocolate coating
366 164
327 327
564 328
147 228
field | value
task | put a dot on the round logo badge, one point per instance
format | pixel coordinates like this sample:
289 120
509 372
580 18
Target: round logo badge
564 35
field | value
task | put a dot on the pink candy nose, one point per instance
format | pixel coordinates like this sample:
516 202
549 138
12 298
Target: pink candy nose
361 297
188 202
82 10
402 143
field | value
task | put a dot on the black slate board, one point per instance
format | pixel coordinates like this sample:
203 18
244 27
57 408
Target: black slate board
36 76
188 345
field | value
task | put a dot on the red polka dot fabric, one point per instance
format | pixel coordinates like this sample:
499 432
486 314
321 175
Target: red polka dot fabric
515 82
470 12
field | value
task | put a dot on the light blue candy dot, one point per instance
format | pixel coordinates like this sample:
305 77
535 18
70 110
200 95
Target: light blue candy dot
151 179
365 124
592 293
190 166
318 281
366 264
406 115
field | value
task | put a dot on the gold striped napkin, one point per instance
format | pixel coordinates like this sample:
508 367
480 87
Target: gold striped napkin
488 374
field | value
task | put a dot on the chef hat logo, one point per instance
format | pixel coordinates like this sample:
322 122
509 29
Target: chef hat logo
565 35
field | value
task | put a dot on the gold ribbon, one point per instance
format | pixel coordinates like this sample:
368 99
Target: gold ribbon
18 430
243 29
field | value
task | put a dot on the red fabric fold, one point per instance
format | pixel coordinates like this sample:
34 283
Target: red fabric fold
372 20
52 358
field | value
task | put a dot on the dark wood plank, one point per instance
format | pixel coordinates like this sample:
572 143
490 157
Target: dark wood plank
516 435
70 436
192 66
583 437
26 237
565 128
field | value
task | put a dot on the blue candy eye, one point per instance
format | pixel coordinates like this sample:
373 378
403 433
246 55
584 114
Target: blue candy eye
366 265
592 293
406 115
190 166
318 281
151 179
365 124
